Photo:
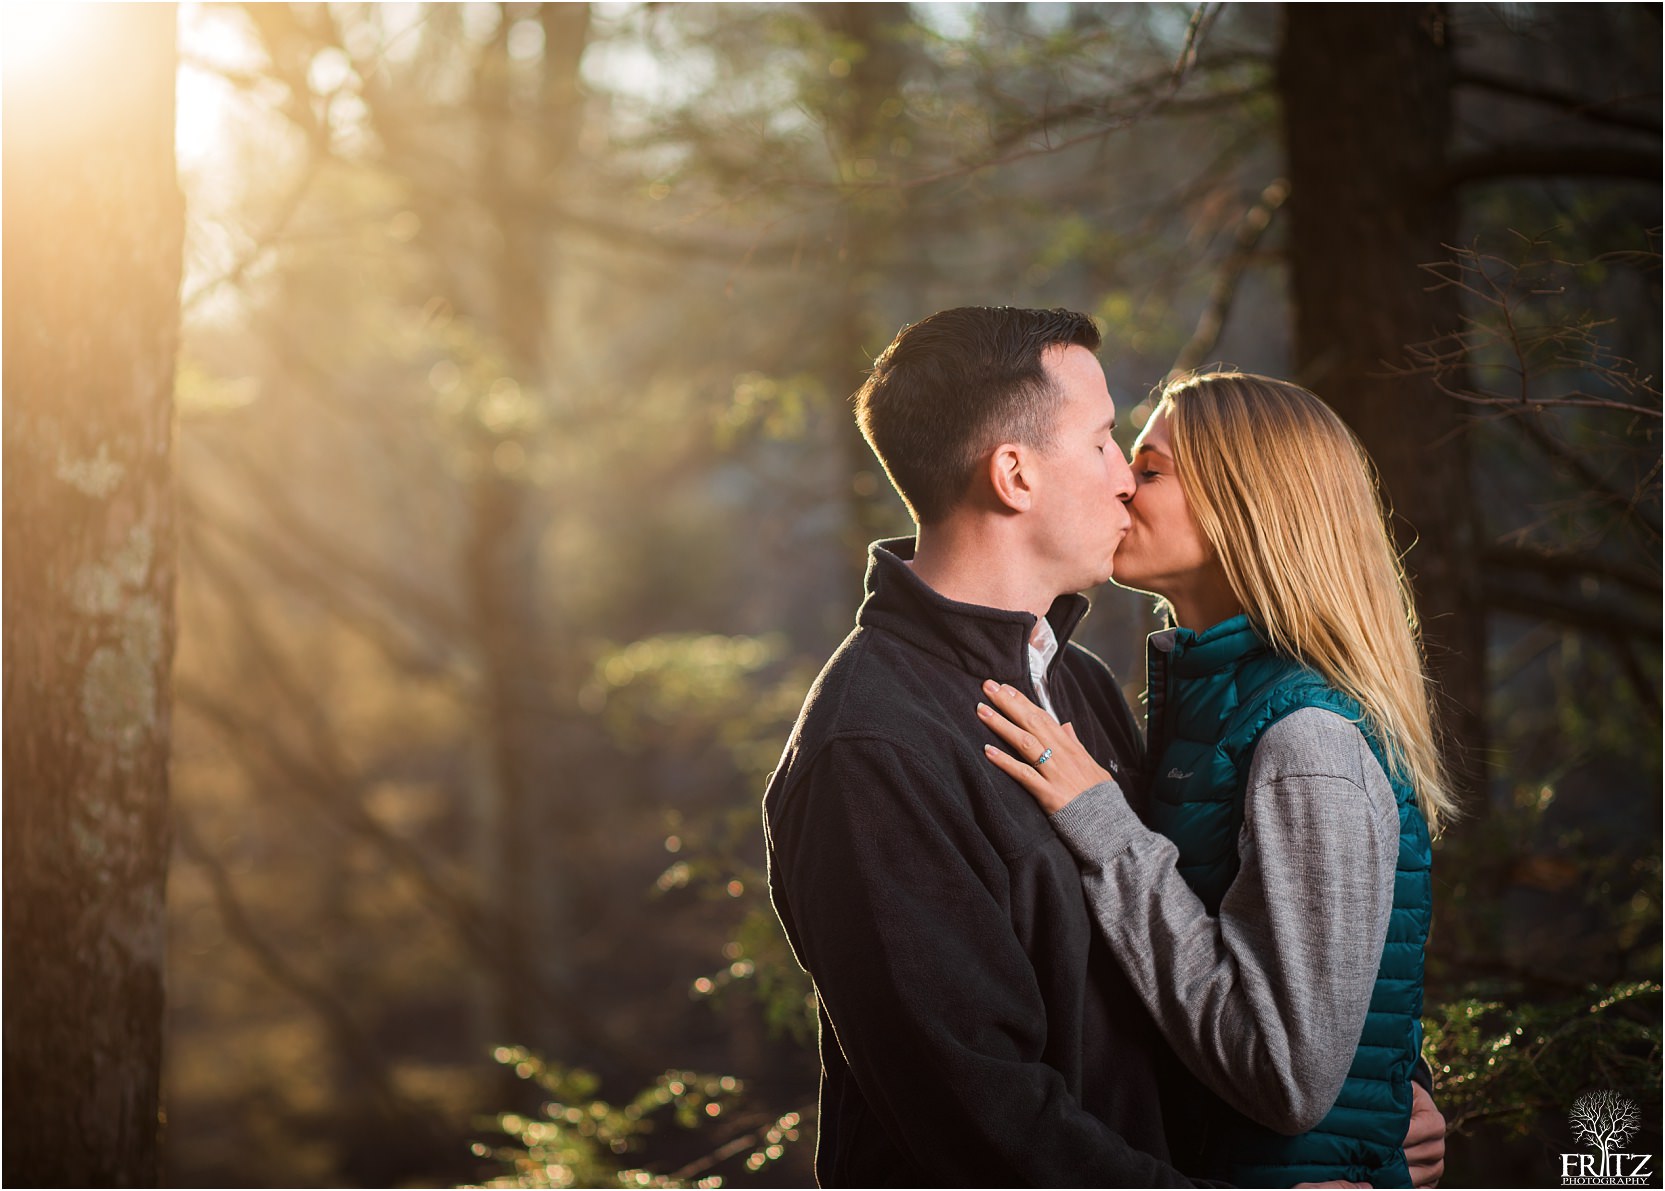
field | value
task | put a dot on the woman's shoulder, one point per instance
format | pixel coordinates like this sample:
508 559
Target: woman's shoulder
1274 687
1317 742
1314 779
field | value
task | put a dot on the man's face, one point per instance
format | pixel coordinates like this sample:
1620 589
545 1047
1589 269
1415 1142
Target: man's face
1082 480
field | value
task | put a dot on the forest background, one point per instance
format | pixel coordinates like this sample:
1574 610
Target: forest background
430 487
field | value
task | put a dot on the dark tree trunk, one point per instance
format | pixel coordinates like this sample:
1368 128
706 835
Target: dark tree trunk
1366 137
865 119
93 229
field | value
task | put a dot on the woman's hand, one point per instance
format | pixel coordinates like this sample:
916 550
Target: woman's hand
1065 768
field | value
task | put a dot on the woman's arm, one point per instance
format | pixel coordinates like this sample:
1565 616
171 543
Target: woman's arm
1265 1002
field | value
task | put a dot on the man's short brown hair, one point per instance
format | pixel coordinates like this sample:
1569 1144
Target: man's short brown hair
952 387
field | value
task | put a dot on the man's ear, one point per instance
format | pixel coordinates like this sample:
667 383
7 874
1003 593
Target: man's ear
1010 478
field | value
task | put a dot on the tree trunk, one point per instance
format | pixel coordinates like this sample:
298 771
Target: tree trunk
525 155
93 231
1366 138
864 117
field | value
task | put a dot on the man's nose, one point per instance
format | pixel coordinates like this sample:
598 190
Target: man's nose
1121 475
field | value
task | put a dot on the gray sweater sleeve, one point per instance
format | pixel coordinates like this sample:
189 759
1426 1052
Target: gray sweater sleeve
1265 1003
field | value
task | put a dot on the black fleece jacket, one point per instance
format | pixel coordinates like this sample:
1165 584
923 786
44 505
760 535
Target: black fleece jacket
975 1031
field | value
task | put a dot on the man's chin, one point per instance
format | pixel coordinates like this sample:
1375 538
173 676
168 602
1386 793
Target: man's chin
1099 578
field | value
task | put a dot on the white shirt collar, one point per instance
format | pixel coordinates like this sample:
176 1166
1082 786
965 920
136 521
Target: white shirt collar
1043 647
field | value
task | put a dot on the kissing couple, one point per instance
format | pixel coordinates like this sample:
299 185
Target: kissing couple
1048 949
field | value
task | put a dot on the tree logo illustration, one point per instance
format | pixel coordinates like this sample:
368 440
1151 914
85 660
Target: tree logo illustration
1604 1120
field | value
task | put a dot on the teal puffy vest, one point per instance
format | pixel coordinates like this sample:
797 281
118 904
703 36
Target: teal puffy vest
1211 696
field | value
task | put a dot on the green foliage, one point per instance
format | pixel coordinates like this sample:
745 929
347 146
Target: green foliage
760 962
783 988
1503 1060
579 1140
692 682
689 690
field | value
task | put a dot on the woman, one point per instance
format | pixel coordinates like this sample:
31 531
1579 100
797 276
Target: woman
1272 903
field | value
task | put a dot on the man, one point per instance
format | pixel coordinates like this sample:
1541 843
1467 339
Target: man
974 1031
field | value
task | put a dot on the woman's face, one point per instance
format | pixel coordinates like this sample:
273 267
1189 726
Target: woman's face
1164 550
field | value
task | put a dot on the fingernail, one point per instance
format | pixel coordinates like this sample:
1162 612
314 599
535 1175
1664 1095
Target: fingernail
984 709
988 748
1009 689
991 686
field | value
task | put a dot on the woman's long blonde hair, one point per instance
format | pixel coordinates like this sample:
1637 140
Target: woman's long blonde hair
1288 499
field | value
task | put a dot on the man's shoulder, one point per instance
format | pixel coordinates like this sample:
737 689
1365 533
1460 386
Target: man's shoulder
870 685
875 699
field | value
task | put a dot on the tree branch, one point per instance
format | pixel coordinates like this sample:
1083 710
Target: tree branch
1212 322
745 1141
1103 107
1563 401
1551 161
1202 20
1588 616
1581 469
1598 111
1570 568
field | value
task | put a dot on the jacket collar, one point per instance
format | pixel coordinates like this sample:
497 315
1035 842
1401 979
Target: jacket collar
983 642
1190 653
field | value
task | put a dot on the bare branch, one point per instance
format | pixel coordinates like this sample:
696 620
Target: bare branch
1551 161
1592 616
1571 568
1104 107
1520 346
1581 469
1598 111
1212 322
1573 400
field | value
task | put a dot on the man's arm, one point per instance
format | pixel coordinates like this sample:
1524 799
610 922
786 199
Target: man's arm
895 897
1266 1001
